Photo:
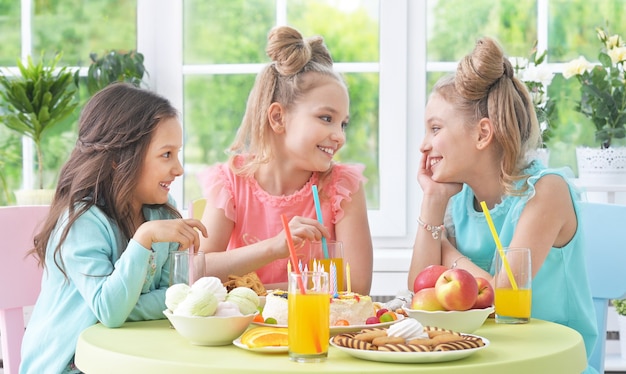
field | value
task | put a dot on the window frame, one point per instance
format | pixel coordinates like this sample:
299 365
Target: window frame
160 35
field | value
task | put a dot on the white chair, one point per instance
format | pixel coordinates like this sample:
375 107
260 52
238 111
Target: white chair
604 230
20 276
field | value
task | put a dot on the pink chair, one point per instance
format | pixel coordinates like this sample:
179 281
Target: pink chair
20 276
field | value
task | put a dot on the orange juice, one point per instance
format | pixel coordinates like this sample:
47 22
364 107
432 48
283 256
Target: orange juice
325 262
308 323
513 303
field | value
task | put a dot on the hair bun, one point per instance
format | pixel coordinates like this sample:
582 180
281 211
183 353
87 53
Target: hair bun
479 70
287 49
290 52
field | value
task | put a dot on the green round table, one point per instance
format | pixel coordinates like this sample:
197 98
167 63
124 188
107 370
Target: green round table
154 347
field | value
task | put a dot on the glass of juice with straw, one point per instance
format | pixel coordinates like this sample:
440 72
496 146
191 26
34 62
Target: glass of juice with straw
513 293
334 251
308 316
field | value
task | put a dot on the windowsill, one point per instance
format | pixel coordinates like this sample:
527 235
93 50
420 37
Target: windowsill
614 362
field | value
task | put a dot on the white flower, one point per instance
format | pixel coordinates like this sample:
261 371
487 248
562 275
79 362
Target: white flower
538 73
617 54
577 67
518 63
612 42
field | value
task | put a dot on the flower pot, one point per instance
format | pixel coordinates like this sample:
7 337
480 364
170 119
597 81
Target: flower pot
602 166
541 154
34 197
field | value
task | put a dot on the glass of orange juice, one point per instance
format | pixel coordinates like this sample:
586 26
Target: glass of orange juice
335 255
308 316
513 299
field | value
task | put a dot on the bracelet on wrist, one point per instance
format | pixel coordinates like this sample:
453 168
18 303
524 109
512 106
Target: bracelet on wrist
455 263
435 230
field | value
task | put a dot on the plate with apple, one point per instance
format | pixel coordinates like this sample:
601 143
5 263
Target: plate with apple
451 298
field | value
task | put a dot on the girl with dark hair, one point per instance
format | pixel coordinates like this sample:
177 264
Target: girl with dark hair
106 242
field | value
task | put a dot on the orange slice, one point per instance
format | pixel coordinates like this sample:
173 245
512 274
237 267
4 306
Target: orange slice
265 337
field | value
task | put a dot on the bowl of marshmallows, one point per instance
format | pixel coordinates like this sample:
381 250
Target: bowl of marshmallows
207 314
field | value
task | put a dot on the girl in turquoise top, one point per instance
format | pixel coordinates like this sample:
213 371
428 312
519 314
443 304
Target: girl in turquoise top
480 122
105 244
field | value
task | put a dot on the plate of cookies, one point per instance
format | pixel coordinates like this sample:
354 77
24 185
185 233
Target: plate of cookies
441 345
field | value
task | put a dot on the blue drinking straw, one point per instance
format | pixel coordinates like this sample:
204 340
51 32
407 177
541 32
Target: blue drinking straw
318 211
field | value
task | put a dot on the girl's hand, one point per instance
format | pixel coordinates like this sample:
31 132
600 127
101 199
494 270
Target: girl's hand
431 187
302 229
186 232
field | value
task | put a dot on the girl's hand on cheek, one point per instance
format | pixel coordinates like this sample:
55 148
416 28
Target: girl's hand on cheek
432 187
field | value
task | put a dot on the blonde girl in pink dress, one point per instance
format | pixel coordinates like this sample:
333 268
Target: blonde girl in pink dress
294 124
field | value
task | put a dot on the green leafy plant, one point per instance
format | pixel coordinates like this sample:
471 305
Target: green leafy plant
602 88
537 77
36 100
620 306
114 66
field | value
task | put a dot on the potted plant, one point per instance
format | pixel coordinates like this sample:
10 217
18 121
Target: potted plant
620 308
537 77
114 66
603 101
35 101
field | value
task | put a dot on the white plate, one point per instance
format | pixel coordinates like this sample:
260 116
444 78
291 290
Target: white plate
334 330
281 349
411 357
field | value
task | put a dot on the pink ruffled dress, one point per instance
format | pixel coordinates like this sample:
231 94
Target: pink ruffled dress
257 214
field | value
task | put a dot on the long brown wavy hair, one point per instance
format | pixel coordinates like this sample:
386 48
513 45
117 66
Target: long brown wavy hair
115 130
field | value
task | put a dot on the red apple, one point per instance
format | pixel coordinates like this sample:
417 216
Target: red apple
428 277
426 299
485 294
456 289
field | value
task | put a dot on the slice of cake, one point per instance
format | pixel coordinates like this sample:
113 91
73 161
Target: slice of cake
276 306
350 307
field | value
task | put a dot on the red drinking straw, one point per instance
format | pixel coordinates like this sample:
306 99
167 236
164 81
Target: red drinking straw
292 253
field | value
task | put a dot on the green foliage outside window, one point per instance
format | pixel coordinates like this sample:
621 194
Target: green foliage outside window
214 105
234 31
75 28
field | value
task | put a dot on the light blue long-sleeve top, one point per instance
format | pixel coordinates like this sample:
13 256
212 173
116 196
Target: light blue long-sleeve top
560 289
105 285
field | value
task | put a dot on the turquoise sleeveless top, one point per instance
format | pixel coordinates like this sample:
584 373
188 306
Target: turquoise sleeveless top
560 290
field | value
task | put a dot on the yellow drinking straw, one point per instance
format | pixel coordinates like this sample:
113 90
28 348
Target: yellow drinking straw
505 262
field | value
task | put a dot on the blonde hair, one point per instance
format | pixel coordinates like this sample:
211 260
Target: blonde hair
484 86
282 81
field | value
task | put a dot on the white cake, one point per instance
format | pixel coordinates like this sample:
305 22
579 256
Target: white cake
352 307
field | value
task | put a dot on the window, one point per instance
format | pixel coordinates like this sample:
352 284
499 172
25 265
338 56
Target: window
566 28
224 47
43 28
203 55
